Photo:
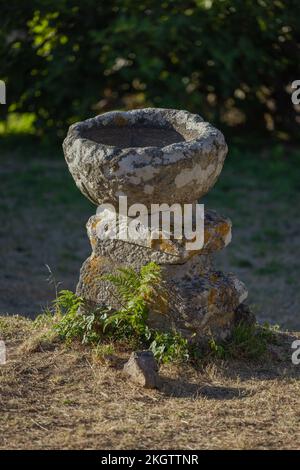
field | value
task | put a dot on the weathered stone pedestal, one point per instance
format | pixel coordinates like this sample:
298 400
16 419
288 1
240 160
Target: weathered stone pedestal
156 156
197 300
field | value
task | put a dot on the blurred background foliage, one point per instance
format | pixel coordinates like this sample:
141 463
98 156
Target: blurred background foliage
231 61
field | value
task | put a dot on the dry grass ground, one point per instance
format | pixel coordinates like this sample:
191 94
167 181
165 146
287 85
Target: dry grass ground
64 399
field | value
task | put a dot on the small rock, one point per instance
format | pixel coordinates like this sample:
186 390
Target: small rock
142 369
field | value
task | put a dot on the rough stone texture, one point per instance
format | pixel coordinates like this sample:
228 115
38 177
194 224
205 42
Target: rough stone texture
150 155
244 315
135 251
196 299
156 156
142 369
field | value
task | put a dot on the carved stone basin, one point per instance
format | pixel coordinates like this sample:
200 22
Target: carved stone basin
156 156
150 155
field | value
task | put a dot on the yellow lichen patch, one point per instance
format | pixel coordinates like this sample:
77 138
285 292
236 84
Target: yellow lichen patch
214 236
190 253
223 229
212 295
95 222
214 277
225 319
161 303
120 121
93 269
93 241
211 239
207 235
165 245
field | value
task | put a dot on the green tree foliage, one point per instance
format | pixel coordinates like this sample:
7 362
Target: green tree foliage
229 60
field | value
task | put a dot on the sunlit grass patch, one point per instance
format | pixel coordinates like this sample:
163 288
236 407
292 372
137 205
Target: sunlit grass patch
17 123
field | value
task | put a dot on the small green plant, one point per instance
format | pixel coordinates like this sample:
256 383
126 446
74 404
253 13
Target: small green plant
251 341
44 320
168 347
246 341
136 292
103 350
67 302
217 349
70 324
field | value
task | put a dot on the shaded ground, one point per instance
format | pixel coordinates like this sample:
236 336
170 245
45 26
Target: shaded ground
63 399
43 218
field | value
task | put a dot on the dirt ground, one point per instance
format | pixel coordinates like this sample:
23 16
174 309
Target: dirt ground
63 399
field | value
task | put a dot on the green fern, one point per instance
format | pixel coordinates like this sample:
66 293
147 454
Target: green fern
73 325
126 281
67 302
131 284
136 290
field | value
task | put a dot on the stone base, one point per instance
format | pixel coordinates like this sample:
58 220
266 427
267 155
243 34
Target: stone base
195 299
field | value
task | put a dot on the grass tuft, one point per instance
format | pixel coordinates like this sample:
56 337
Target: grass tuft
249 342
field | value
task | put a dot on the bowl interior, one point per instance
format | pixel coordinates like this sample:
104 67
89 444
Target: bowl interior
128 136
